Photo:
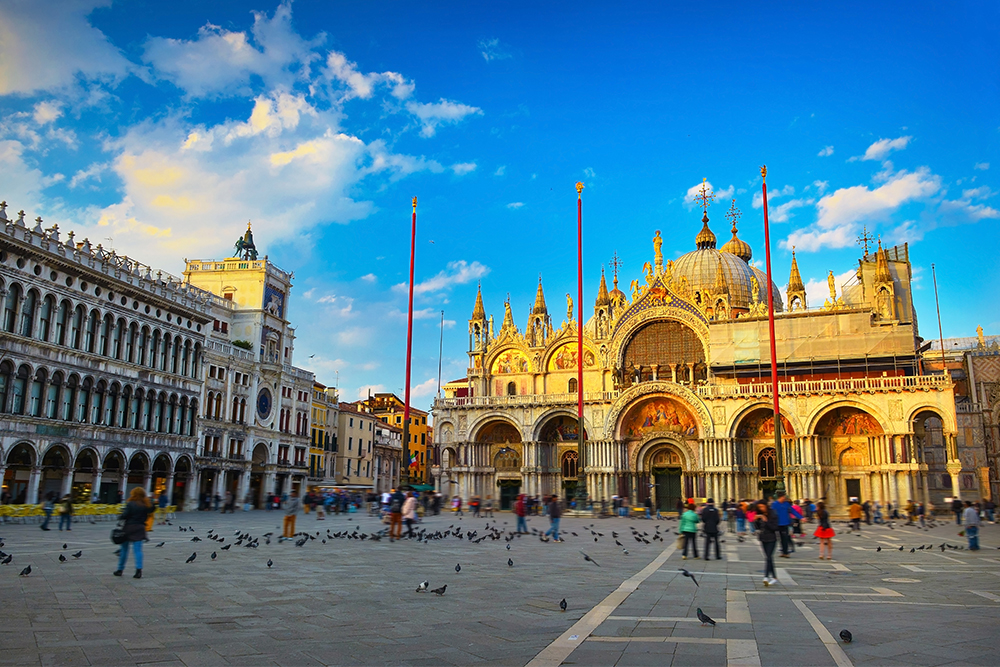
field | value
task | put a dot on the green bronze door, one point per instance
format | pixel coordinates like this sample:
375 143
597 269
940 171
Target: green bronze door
668 488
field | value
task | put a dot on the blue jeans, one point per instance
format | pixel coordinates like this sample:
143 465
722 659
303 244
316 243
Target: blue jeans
137 548
972 532
741 524
67 519
522 524
48 516
554 530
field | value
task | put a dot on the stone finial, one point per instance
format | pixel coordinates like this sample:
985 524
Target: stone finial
86 246
3 210
38 226
20 219
54 232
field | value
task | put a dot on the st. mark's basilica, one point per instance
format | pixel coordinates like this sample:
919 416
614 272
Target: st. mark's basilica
677 392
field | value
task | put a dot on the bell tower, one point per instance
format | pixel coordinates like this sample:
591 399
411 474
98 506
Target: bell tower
478 332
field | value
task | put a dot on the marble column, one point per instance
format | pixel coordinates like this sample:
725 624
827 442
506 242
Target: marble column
192 491
67 485
244 487
31 498
170 487
147 482
95 485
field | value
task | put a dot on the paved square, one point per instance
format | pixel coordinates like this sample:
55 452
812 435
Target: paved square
352 602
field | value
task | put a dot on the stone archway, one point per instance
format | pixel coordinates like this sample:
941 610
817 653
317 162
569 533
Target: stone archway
665 476
57 464
20 460
846 434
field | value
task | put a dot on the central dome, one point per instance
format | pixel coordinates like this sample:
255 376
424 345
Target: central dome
701 267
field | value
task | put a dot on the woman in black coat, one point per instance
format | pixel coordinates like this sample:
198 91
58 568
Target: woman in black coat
766 524
136 513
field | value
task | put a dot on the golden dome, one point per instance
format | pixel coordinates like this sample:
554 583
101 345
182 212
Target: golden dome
738 247
705 238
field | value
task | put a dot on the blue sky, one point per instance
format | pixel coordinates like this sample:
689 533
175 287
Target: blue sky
160 128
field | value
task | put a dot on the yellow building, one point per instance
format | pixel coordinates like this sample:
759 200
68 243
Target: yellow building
323 438
389 408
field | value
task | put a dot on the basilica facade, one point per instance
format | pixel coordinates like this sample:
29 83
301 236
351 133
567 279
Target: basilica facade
677 393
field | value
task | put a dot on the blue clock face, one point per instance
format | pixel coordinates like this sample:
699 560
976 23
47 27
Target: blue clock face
264 403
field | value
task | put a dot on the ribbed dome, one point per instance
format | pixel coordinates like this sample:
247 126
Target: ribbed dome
738 247
701 267
706 237
762 280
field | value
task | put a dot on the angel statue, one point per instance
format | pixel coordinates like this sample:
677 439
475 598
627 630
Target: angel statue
569 308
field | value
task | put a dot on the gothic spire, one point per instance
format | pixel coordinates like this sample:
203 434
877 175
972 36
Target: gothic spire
882 274
603 298
795 279
539 308
478 312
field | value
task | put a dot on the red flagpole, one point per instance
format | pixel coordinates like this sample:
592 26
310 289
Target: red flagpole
405 476
581 492
780 486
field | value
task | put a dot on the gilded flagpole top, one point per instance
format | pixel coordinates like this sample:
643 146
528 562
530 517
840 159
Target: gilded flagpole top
579 189
763 172
414 203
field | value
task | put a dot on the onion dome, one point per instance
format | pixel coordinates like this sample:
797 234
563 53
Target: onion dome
603 298
705 239
539 308
478 312
738 247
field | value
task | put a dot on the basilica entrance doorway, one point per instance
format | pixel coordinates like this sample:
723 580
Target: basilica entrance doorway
509 489
853 488
668 488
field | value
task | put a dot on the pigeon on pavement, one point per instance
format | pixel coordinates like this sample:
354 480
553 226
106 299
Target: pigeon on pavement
192 557
26 571
846 636
62 559
562 604
423 586
439 591
704 618
77 554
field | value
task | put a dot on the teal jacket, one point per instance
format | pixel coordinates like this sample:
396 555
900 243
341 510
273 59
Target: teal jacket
689 522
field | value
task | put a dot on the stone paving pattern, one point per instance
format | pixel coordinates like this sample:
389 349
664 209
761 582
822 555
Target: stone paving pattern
350 602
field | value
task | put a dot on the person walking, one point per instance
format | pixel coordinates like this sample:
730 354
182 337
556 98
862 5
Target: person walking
555 514
488 507
970 517
823 531
783 509
767 531
410 514
135 517
291 506
396 501
855 513
956 507
49 507
689 529
66 512
710 524
161 503
521 511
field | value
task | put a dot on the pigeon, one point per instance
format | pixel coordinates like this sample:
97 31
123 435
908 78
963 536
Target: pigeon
846 636
704 618
689 576
196 539
439 591
590 560
878 549
65 545
423 586
192 557
77 554
510 563
562 604
226 548
26 571
269 563
214 555
913 551
160 545
508 546
458 568
62 559
900 548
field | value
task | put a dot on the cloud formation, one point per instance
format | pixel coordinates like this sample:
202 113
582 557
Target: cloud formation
825 151
433 114
492 49
881 148
456 273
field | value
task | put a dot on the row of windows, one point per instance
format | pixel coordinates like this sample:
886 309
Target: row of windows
56 396
213 408
61 323
301 422
213 447
361 444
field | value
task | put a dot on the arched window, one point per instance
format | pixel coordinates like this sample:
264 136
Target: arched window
175 354
186 359
52 396
194 360
136 410
243 411
35 393
192 411
133 335
767 463
97 404
20 387
158 416
6 376
62 321
236 408
154 350
507 459
76 327
69 398
148 411
119 403
10 306
116 342
217 414
183 416
572 386
107 333
28 313
511 389
90 334
125 408
143 342
165 352
570 464
83 400
45 318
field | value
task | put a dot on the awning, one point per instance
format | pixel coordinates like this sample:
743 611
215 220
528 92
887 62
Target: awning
422 487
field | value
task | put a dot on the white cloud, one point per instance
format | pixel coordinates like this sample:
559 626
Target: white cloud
46 112
94 172
48 45
821 186
442 112
881 148
825 151
354 336
783 212
514 205
220 61
982 192
339 68
818 291
369 278
463 168
725 194
501 170
457 273
839 213
492 49
365 390
426 388
982 166
758 197
589 172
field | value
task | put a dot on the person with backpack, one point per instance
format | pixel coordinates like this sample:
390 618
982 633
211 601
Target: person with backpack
710 524
66 512
396 501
